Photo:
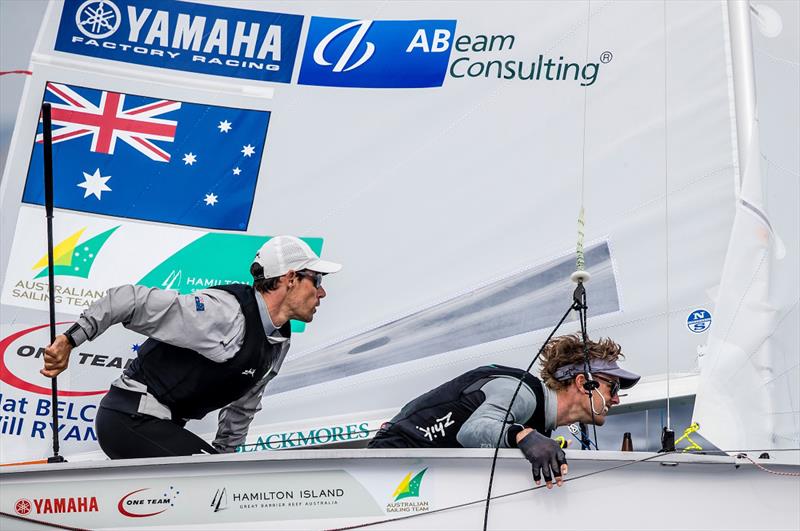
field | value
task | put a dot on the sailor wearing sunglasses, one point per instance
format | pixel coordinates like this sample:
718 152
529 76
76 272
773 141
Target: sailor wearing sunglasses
469 411
211 349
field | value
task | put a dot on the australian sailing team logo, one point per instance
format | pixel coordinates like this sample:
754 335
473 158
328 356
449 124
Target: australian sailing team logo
74 257
409 488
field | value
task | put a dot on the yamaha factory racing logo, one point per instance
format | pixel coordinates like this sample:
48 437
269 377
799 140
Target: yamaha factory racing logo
183 36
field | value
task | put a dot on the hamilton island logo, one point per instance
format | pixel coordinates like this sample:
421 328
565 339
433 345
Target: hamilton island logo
409 487
220 500
74 259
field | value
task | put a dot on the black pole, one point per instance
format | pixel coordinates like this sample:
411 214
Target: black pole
47 131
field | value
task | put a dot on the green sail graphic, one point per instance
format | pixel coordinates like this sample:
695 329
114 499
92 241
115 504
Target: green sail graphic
214 259
83 256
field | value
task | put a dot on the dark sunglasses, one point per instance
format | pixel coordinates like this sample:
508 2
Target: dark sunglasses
316 278
612 384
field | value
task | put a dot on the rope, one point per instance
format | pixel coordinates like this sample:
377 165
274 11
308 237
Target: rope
765 469
688 431
580 257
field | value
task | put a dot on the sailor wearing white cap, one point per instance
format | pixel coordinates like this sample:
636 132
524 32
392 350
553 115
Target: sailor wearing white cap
215 348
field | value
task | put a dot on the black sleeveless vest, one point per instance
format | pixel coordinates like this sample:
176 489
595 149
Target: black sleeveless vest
435 418
192 385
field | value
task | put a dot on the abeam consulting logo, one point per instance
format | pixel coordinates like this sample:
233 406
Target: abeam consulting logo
376 53
185 36
487 56
699 321
143 503
409 487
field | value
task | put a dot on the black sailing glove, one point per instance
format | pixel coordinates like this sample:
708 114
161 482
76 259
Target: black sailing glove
545 454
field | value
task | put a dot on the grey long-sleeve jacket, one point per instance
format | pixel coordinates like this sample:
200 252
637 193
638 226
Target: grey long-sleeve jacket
216 333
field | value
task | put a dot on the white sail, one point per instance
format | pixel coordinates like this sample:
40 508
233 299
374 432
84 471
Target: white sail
748 395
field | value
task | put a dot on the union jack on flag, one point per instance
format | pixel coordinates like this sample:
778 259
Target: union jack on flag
110 121
151 159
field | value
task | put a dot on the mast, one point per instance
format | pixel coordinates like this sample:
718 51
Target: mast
744 86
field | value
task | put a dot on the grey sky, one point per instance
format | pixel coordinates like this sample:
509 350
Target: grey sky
19 25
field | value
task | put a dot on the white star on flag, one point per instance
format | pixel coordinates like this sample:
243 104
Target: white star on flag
94 184
237 171
248 150
211 199
224 126
190 158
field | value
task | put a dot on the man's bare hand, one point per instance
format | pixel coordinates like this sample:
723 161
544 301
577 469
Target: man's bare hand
56 357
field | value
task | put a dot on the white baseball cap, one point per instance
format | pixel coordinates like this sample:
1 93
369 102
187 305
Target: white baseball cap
283 253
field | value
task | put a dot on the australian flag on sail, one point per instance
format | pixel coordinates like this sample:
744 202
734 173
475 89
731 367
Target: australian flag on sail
156 160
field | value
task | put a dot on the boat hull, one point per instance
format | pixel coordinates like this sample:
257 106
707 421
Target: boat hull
402 489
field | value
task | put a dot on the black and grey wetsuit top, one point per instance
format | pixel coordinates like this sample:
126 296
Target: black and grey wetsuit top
469 410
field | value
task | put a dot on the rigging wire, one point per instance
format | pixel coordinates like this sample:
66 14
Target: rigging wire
579 298
508 414
666 216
